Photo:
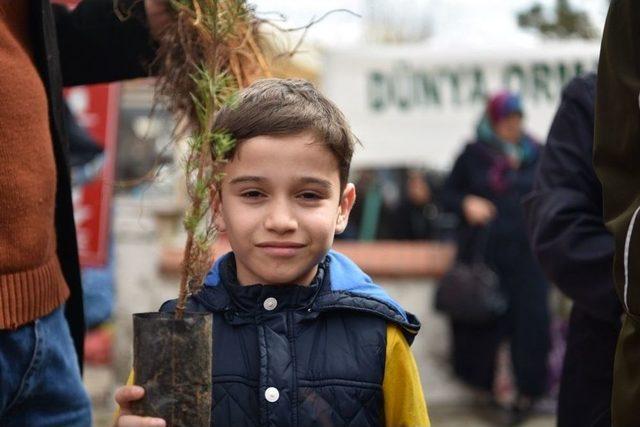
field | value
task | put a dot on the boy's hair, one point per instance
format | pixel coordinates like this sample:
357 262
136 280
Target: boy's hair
287 107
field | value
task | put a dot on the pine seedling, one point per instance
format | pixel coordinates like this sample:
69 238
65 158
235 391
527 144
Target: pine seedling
210 51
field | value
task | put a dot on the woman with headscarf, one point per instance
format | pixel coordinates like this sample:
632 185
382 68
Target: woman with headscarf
485 189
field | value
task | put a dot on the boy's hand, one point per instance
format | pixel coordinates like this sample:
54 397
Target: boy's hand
124 396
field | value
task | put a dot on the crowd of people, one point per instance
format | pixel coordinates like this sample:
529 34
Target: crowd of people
293 315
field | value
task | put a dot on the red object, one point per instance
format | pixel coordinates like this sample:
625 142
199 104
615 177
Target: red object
98 346
96 108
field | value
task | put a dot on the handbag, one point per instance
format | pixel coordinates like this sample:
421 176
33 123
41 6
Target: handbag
470 291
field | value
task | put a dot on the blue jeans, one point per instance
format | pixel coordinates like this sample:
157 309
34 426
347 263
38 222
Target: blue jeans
40 383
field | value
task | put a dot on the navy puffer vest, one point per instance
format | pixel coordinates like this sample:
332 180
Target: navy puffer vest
298 356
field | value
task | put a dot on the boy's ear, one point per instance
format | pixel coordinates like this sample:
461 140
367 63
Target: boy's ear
218 219
346 204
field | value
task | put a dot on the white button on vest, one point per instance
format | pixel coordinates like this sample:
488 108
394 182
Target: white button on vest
270 303
272 394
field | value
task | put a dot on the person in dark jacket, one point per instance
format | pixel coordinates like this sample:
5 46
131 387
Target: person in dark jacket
616 159
485 189
414 218
42 48
302 337
564 215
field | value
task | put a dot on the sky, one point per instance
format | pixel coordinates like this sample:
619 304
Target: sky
452 21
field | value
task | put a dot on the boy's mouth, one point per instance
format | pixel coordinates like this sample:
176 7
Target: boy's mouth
281 249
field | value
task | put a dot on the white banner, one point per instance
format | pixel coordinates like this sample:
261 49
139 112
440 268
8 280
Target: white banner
418 106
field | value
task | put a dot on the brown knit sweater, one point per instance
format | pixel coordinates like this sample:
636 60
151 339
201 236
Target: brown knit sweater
31 281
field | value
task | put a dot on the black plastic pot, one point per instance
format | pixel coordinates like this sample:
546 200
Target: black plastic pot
172 362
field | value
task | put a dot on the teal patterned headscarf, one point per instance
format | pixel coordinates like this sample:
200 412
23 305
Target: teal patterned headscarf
500 106
521 152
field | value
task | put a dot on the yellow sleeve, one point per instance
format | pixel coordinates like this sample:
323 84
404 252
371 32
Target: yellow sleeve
404 403
130 381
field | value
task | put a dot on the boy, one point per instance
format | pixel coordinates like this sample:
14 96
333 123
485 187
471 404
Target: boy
302 335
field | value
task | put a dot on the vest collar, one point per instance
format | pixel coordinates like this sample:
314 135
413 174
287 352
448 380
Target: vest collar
339 285
228 295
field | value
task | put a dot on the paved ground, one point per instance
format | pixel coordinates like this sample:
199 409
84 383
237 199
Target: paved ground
140 288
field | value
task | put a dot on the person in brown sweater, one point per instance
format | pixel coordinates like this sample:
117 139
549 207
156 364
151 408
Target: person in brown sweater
42 48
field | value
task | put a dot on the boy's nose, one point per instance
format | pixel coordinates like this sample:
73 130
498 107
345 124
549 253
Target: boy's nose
280 219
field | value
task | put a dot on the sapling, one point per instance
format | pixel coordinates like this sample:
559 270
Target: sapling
211 50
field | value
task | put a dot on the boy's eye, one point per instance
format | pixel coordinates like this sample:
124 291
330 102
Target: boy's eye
308 195
251 194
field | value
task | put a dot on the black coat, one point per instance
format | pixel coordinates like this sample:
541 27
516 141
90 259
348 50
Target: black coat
564 210
616 158
568 235
482 171
88 45
323 349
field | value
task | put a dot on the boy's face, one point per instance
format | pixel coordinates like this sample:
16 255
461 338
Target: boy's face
281 205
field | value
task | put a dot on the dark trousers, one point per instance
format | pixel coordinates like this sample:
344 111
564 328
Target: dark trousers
525 327
587 375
